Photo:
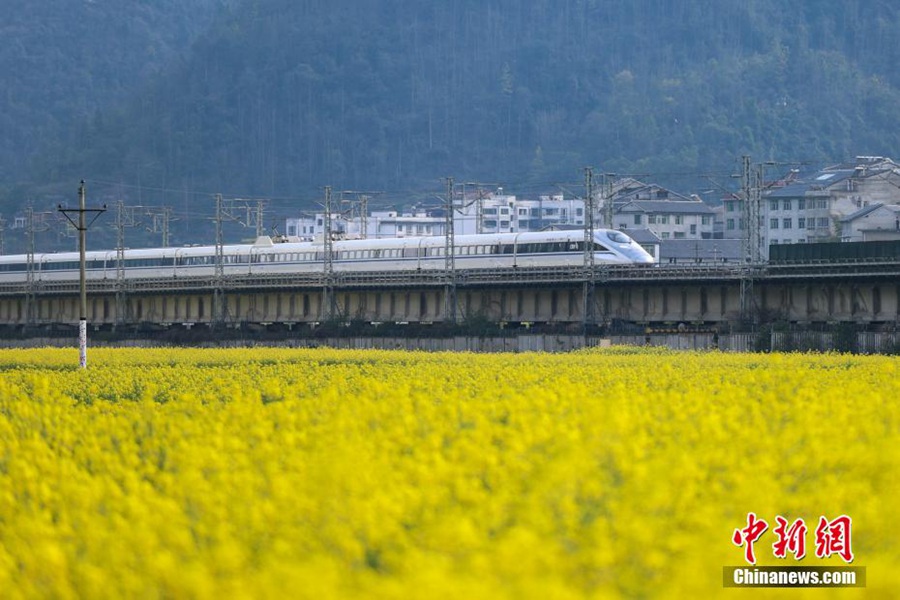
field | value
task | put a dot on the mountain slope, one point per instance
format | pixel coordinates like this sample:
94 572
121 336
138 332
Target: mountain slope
281 97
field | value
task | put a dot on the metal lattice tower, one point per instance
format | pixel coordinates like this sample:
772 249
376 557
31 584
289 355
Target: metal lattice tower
219 277
34 223
120 263
328 300
449 257
750 197
608 200
588 288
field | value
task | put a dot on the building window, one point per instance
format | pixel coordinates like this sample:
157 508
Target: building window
729 206
801 204
811 223
822 203
786 223
679 219
693 229
823 222
704 220
637 219
489 211
579 212
679 235
729 224
786 204
801 223
773 223
662 219
651 219
665 235
773 204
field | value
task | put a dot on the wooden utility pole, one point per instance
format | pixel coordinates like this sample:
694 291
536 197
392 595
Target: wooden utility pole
81 225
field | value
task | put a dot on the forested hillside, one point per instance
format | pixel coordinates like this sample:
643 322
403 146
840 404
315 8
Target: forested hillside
281 97
66 64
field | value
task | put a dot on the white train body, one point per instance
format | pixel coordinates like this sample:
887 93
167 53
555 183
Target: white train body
493 251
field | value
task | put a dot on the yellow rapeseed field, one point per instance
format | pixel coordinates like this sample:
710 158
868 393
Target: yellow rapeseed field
265 473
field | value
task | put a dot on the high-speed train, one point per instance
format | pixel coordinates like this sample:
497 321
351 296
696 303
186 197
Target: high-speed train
533 249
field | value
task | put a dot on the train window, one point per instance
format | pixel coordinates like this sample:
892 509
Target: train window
619 238
507 249
410 252
14 267
600 248
376 253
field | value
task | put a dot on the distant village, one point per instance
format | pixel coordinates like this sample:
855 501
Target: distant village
850 202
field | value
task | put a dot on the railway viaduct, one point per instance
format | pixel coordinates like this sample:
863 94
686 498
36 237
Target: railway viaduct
710 296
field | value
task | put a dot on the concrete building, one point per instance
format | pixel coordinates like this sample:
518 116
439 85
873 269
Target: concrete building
668 219
635 205
873 223
812 209
503 213
492 213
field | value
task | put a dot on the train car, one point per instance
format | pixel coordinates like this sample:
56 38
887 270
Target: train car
507 250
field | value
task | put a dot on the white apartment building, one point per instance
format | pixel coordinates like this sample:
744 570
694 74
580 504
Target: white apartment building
874 223
812 209
668 219
668 214
493 213
377 224
499 213
635 206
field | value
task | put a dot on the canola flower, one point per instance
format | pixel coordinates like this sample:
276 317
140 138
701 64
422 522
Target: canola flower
324 473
